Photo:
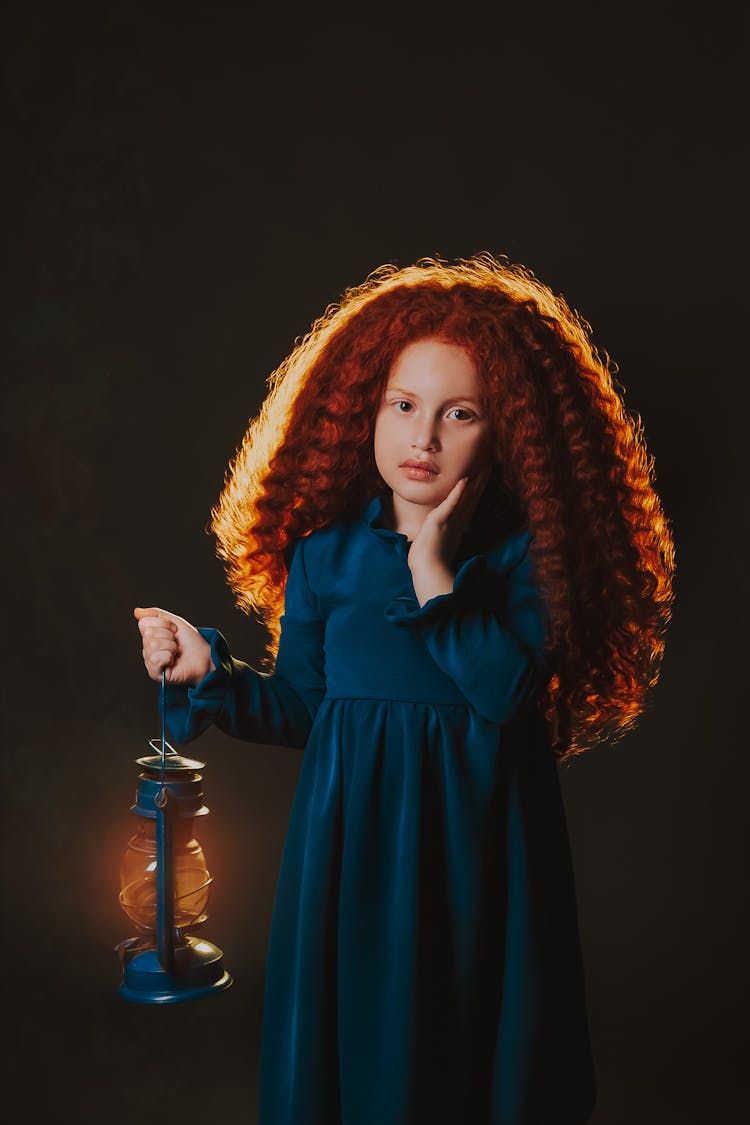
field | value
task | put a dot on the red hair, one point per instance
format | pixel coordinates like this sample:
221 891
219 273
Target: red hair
566 449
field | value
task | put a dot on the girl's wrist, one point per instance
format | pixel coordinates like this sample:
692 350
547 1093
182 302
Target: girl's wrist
432 581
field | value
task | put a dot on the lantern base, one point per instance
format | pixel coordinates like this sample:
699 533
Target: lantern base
198 970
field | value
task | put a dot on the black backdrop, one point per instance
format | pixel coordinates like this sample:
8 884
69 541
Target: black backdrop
187 188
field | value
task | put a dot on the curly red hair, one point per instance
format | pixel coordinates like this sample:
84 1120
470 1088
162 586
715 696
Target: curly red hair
567 450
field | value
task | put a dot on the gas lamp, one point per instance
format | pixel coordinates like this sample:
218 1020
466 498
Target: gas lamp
165 883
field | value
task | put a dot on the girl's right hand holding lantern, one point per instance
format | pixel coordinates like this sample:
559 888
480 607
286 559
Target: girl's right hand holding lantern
172 643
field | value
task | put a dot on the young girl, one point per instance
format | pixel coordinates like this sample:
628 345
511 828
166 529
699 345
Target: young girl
446 518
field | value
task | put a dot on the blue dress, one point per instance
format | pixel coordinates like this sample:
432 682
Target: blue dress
424 963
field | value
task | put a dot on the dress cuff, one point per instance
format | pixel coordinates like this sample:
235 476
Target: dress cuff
191 709
406 610
214 684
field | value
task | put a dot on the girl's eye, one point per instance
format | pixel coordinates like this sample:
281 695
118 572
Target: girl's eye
402 406
459 414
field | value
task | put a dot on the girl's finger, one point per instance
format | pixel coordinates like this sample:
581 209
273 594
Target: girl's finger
153 645
158 660
148 624
449 505
159 634
156 614
153 611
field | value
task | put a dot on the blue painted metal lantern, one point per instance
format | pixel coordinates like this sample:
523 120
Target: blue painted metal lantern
165 885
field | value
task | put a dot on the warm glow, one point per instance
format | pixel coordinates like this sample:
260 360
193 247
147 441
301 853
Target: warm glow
138 876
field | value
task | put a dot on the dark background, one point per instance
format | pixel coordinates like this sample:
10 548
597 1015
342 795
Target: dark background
186 189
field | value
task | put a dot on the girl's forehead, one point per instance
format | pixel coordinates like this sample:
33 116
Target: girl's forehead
435 364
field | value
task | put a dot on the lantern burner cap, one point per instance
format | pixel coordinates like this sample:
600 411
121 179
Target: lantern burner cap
172 760
177 762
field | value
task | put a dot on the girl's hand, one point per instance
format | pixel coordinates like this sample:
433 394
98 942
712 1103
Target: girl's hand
173 643
434 548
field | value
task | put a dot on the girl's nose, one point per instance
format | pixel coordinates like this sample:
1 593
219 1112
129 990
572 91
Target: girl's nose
425 435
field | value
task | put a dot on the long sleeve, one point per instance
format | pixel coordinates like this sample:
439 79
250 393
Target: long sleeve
488 634
273 708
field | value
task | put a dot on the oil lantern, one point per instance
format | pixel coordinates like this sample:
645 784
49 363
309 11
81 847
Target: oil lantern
165 884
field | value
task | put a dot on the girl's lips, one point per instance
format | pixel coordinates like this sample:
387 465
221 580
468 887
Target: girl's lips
419 470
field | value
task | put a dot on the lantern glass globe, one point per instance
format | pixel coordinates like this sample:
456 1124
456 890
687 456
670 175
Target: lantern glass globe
138 894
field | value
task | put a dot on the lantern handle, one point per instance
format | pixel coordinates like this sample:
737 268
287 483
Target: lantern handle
163 708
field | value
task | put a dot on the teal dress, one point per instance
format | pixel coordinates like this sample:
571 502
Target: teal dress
424 962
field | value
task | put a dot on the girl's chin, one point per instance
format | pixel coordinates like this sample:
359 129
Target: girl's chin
422 492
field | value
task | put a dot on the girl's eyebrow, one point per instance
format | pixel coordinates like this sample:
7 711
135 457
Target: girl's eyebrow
393 390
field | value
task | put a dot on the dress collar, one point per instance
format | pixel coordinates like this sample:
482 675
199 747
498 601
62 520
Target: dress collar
374 518
488 528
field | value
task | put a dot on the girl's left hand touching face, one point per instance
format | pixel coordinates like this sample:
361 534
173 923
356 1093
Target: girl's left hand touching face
434 548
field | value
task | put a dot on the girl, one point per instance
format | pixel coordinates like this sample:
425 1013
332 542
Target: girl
446 518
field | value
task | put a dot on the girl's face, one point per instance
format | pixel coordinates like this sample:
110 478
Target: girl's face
431 428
